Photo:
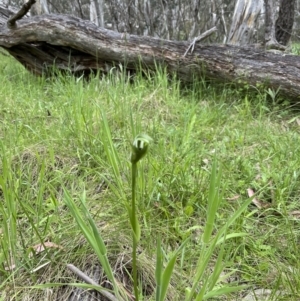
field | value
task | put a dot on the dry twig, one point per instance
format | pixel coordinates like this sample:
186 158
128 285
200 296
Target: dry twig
88 280
200 38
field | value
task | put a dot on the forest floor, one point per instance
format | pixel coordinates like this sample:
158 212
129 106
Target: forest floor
66 138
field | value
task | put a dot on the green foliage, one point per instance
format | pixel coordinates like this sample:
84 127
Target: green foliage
210 245
163 275
65 185
295 48
89 229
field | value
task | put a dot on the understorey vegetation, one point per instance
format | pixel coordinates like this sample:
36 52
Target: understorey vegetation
216 198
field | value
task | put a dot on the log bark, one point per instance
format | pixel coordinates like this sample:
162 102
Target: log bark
80 46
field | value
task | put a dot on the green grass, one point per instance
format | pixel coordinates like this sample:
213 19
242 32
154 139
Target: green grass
69 139
295 48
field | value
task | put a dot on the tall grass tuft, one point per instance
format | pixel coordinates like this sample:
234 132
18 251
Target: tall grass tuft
203 284
8 212
89 229
210 244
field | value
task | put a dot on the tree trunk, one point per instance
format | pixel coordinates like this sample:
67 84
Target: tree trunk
270 38
80 46
285 21
100 12
96 12
244 20
278 34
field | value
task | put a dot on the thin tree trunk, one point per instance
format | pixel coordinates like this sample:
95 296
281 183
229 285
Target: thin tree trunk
100 12
93 13
96 12
285 21
270 38
44 6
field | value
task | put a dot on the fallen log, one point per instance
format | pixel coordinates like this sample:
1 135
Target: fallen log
80 46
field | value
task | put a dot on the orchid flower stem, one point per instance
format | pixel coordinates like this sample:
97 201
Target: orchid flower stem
134 230
139 150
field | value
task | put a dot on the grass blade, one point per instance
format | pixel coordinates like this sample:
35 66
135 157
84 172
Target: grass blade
167 272
92 235
158 269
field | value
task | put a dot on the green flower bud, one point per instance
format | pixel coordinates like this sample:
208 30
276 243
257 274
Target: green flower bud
139 147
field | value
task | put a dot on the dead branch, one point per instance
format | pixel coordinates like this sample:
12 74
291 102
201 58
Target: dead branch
11 23
88 280
200 38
